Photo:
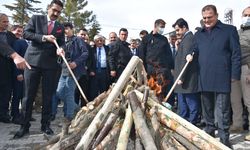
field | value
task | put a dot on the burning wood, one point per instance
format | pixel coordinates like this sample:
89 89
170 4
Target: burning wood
107 122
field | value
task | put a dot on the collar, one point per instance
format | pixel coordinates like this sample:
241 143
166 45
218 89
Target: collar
218 24
50 20
244 27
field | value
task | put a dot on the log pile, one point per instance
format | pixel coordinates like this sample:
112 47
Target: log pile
129 116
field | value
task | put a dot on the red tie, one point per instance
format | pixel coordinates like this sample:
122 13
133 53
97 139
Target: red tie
50 27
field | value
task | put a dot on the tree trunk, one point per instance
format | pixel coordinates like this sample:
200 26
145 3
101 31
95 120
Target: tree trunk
125 131
89 134
140 123
198 137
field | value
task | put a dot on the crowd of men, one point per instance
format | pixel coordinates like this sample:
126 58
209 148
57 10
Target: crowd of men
217 76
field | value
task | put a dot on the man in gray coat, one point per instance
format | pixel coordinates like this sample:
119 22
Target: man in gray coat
187 88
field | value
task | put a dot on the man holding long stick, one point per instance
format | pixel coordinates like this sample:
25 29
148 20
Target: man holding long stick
76 54
41 30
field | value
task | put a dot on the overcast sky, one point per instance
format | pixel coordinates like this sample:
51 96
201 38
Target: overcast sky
136 15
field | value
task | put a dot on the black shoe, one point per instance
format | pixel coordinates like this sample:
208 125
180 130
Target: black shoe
53 117
47 130
5 119
32 119
23 130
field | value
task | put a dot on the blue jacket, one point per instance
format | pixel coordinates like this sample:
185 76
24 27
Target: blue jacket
219 57
77 52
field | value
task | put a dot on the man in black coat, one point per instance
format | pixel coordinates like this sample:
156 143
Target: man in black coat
119 55
41 54
157 57
7 40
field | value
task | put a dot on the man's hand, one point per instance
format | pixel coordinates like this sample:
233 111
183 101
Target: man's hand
20 62
113 73
20 77
92 73
60 52
179 82
189 57
248 79
72 65
49 38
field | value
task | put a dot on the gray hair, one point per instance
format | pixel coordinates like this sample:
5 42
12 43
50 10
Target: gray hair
2 14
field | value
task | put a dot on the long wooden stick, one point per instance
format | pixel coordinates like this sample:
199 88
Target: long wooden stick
176 81
72 74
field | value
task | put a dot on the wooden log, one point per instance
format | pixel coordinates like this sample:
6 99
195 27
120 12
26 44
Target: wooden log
138 143
91 131
75 133
141 74
156 125
140 123
201 139
177 144
90 106
144 99
125 131
106 128
52 141
182 140
114 133
166 144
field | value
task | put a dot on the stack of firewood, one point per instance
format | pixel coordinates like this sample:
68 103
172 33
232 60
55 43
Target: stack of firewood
129 116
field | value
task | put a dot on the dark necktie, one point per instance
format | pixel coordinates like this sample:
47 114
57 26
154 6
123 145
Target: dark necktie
174 51
99 59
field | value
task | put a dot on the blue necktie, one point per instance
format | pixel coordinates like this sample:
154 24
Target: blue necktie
99 60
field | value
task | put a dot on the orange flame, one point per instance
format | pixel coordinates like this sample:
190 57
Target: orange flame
152 83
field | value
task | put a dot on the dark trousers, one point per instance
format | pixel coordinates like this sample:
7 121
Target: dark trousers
188 107
32 78
99 83
5 95
84 84
5 87
16 97
214 103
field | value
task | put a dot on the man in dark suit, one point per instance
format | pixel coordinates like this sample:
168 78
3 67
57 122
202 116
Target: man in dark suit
219 58
187 86
41 54
119 54
8 39
99 70
20 47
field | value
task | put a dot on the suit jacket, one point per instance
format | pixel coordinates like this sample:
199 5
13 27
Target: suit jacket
42 54
119 55
190 76
219 57
5 62
20 47
93 58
